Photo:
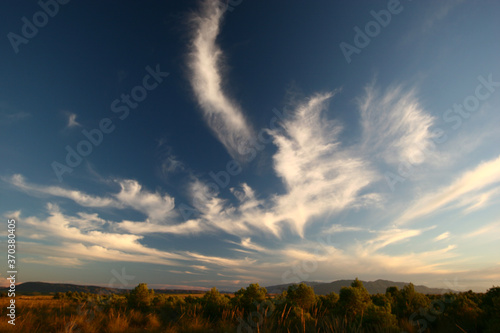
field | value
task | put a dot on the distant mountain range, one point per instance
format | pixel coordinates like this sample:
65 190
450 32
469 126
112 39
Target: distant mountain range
320 288
373 287
47 288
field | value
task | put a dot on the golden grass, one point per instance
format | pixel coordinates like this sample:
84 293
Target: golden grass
43 314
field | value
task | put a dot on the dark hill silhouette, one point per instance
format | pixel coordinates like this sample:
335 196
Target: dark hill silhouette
373 287
320 288
48 288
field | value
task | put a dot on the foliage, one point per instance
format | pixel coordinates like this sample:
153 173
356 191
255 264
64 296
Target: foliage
301 295
408 301
329 301
140 297
214 303
378 313
353 301
250 298
492 308
297 309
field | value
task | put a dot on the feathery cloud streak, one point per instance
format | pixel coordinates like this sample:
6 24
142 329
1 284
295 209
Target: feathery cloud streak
395 126
320 176
223 115
482 177
154 205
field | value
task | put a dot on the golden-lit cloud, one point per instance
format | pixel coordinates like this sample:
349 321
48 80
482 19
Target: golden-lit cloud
469 183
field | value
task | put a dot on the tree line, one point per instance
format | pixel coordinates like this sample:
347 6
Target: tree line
299 309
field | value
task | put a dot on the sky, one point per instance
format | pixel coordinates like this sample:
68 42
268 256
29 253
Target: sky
201 143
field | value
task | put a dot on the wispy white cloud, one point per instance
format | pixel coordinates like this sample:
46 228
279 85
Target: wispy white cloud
248 244
200 267
489 229
77 196
84 239
482 177
190 227
72 121
184 272
391 236
169 163
477 201
156 206
310 261
9 116
438 12
87 229
320 176
395 126
53 261
218 213
427 262
177 286
219 261
338 228
444 235
223 115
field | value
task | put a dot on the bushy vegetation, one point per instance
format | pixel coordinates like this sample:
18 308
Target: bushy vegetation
252 309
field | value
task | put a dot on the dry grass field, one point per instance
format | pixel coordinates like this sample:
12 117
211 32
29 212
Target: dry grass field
44 314
251 309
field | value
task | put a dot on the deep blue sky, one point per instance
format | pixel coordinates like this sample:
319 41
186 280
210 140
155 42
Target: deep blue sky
321 192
